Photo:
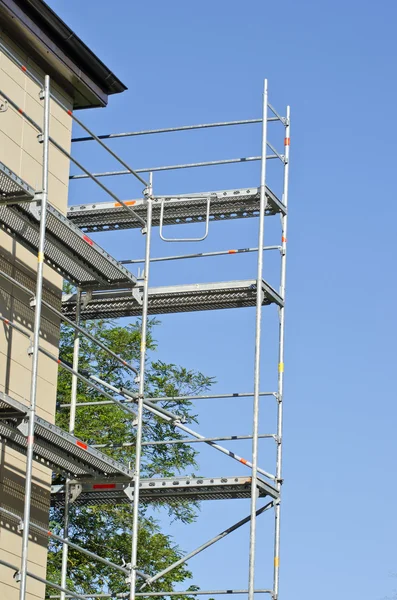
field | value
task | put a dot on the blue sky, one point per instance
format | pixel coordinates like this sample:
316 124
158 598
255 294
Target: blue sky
334 63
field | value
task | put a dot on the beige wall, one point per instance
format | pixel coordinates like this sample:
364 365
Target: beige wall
21 152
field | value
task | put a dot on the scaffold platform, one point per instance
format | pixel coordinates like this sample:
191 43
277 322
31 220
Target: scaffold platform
173 299
67 249
13 188
187 208
53 447
162 490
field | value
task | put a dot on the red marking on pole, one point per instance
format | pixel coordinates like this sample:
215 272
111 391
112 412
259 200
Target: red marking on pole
283 239
6 321
69 113
59 361
88 240
20 111
23 68
49 532
81 445
232 251
287 141
104 486
242 460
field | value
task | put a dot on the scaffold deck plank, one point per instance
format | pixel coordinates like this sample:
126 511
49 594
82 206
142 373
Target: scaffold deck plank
162 490
13 188
188 208
67 249
173 299
53 447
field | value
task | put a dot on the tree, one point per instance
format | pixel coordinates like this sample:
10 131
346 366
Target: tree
106 530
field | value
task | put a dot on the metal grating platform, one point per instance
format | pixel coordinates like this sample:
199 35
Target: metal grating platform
163 490
173 299
189 208
53 447
13 188
67 249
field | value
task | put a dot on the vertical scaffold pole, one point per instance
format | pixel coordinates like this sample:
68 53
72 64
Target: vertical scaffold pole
72 422
284 222
258 321
36 339
138 443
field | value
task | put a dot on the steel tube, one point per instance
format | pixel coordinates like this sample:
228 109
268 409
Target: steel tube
71 544
168 398
77 375
36 337
83 331
68 368
97 139
273 149
138 437
136 261
69 593
210 163
176 421
72 422
183 593
207 544
284 222
279 118
186 441
111 136
76 162
258 322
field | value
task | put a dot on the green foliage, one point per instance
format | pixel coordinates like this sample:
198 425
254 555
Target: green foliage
106 530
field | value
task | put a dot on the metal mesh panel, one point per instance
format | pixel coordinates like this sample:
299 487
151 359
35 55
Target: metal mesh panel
174 299
13 187
54 447
171 491
67 250
229 204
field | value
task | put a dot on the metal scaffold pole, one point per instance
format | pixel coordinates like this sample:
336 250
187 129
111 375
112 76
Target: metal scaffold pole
36 338
258 322
72 423
284 222
138 448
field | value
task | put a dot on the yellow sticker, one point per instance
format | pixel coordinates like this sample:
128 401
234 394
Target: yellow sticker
281 367
40 257
276 561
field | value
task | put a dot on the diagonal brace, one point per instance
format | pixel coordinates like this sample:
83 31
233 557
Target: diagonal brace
205 545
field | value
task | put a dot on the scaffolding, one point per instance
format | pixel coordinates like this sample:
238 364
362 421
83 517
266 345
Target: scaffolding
106 288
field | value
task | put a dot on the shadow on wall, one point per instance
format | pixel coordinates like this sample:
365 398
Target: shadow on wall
12 493
15 303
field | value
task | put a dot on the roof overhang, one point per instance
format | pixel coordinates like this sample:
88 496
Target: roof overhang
32 25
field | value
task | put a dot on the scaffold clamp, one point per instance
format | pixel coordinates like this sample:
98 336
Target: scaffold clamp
75 490
17 576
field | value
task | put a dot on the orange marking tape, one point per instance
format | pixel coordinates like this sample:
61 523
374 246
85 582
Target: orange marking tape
232 251
69 113
242 460
23 68
283 239
287 141
127 202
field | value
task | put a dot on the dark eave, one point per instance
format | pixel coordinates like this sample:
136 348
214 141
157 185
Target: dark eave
32 25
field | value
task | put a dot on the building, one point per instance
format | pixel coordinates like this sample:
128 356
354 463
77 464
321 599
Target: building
39 39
